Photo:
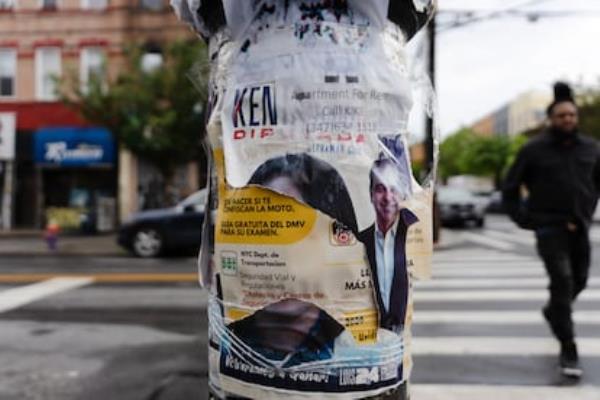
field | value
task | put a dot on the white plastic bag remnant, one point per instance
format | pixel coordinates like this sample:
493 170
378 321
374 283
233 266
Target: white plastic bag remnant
206 17
293 345
423 5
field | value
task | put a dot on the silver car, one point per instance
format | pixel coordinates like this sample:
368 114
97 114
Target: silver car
458 207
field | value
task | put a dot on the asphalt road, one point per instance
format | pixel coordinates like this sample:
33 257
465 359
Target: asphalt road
123 328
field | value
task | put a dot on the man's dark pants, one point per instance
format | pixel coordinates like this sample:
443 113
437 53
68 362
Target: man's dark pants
566 256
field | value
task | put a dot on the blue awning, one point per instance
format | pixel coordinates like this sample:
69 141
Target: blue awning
74 147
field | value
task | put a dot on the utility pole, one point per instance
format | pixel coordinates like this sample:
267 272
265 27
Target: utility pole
430 127
429 119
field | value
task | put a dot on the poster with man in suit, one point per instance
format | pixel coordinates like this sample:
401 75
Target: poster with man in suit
385 240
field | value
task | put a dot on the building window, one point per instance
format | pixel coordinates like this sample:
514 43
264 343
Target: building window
153 5
8 72
94 4
92 66
47 70
151 62
152 59
7 4
48 4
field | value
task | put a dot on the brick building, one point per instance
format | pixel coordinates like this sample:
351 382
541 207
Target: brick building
43 39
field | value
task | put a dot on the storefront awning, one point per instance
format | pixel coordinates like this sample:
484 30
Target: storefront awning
36 115
74 147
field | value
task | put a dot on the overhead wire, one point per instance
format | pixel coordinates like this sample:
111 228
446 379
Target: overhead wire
464 17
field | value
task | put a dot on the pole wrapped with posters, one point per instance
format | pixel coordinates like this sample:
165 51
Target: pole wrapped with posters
315 224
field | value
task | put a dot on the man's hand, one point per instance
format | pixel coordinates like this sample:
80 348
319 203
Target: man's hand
571 227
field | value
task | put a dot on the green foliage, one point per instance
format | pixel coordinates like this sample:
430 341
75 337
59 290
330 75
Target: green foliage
589 114
487 156
156 114
452 160
515 145
466 153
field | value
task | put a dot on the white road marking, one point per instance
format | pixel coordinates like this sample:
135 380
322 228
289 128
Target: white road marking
475 259
487 241
482 283
490 283
487 264
595 235
479 254
474 250
497 317
497 346
422 296
483 272
479 392
17 297
512 237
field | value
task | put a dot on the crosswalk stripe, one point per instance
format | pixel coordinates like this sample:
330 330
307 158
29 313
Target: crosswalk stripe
103 277
17 297
480 253
502 265
504 392
496 261
487 241
511 237
486 273
527 237
493 295
483 283
497 317
497 346
595 235
491 283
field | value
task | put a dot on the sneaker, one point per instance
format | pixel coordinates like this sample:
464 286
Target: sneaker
569 360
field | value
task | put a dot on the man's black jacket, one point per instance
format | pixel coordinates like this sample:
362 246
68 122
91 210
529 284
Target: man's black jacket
561 174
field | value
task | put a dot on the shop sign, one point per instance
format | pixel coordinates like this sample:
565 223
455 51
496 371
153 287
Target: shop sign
7 136
74 147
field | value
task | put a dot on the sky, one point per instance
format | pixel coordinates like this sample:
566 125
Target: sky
483 65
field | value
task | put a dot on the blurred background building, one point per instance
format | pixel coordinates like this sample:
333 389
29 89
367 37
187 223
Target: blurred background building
523 113
61 163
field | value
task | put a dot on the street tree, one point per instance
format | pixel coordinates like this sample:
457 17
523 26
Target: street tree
467 153
454 152
589 114
153 111
487 156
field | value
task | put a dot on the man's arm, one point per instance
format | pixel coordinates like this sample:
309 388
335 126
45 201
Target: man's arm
511 191
597 170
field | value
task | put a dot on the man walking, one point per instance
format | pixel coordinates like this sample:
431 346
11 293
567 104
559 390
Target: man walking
552 188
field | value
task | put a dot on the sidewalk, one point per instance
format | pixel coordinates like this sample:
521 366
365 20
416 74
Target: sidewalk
30 243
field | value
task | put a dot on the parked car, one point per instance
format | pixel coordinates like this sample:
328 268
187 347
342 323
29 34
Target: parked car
459 206
151 233
495 205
